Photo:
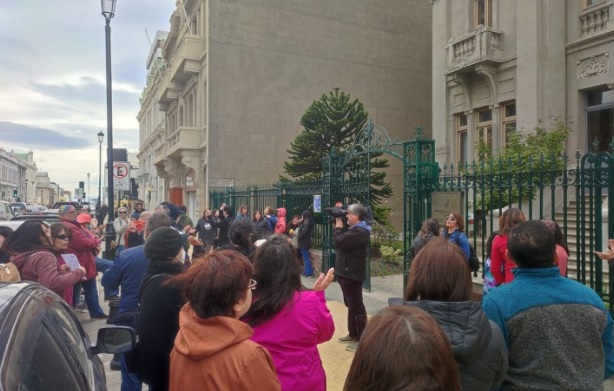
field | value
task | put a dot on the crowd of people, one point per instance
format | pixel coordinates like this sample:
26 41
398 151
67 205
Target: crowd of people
236 314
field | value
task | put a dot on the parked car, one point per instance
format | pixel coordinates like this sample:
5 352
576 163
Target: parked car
18 207
6 212
44 347
50 218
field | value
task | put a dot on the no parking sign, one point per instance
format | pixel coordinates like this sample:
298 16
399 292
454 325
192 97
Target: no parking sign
121 176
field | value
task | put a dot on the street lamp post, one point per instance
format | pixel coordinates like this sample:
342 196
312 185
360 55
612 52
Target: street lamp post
108 11
25 196
88 190
100 138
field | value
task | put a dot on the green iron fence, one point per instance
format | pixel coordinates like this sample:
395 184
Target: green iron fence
573 192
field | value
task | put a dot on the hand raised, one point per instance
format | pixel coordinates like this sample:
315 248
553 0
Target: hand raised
324 281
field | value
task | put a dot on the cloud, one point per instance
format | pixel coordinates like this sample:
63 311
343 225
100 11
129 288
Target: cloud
32 137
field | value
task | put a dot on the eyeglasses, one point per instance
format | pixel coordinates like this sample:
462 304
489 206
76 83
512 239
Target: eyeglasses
122 213
62 237
451 218
252 284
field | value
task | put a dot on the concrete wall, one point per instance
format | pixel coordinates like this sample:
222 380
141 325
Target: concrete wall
269 60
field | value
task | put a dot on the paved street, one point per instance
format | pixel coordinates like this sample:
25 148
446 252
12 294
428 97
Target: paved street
335 358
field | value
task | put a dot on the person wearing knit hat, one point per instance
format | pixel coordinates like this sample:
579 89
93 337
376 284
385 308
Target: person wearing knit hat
160 303
67 212
163 244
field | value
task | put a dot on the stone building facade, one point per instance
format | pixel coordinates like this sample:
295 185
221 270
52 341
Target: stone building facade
503 66
228 84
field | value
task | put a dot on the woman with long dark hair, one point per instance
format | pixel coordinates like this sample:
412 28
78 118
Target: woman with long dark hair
454 233
403 348
562 251
289 320
31 250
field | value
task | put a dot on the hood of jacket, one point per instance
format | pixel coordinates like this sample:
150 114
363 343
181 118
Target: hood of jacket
199 338
281 212
465 324
20 259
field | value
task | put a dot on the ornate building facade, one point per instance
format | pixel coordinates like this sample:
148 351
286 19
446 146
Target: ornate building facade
505 66
228 84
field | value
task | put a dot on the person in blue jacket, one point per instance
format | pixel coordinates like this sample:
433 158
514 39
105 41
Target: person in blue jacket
558 331
454 232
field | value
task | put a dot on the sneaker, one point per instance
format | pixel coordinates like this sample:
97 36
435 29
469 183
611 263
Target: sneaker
347 339
100 316
352 346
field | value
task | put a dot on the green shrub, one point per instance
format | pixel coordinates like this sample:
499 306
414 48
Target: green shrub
392 255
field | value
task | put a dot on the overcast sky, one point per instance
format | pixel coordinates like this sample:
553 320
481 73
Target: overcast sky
52 80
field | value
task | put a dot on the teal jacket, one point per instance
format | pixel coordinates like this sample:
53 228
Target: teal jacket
558 332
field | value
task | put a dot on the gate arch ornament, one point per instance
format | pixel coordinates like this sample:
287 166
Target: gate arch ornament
345 178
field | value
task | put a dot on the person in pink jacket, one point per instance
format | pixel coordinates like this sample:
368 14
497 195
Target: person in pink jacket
280 226
289 320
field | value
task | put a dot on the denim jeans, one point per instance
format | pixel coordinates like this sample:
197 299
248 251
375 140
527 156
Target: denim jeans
90 290
307 261
102 265
130 381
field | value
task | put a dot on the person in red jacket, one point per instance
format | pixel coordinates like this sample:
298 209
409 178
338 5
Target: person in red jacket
500 264
83 245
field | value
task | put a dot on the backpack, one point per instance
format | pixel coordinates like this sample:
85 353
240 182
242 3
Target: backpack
474 261
9 272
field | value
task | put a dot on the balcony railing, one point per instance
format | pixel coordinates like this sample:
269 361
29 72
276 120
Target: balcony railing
485 44
185 137
187 58
596 19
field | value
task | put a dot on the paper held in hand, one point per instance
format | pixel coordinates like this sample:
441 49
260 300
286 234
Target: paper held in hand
71 260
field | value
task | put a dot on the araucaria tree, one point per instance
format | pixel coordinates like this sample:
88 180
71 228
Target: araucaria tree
331 124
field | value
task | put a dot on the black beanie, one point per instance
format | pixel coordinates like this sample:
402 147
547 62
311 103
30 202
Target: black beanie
163 243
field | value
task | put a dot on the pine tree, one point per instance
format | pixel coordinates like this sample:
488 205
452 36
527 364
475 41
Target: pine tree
331 124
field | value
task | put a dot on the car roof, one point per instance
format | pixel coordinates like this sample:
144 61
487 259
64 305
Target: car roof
8 290
45 217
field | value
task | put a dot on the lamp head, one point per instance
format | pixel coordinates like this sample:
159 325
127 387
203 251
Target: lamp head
108 8
100 136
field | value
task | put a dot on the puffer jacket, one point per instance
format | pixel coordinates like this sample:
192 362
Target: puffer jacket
280 226
477 343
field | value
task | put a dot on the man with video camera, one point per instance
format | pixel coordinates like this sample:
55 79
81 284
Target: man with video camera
350 268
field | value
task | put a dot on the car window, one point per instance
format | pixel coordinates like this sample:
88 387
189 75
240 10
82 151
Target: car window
72 335
37 361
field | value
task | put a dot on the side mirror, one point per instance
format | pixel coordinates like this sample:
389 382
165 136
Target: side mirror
114 339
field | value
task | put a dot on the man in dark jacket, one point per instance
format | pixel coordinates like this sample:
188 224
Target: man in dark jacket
226 218
128 271
350 268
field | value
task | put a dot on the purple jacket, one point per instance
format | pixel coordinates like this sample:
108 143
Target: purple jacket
292 338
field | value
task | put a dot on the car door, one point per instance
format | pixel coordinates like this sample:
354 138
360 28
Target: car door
37 356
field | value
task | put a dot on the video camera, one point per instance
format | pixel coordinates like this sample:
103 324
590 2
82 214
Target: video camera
341 212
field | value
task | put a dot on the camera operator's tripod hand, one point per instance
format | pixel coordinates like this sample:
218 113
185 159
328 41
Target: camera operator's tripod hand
338 222
324 281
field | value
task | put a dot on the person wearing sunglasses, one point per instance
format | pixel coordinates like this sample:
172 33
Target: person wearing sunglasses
454 233
60 238
121 224
213 349
31 251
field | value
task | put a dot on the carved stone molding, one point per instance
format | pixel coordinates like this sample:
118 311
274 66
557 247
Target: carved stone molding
593 66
